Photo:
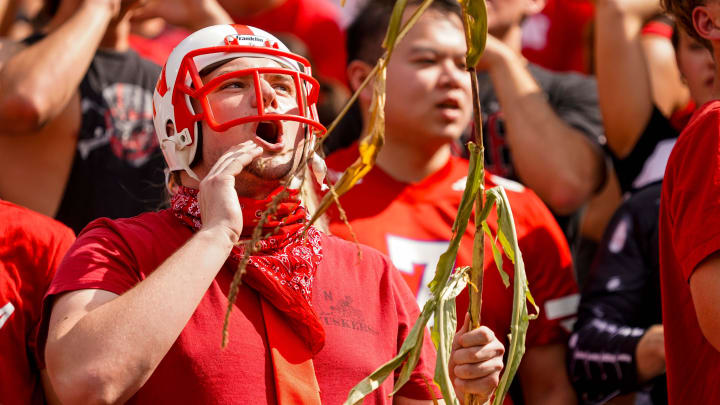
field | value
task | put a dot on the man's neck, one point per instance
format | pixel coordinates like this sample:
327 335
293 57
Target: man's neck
512 37
411 163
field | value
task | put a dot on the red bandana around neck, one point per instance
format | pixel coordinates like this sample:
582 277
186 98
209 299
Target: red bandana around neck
284 265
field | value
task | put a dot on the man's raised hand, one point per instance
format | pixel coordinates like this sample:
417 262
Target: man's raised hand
218 200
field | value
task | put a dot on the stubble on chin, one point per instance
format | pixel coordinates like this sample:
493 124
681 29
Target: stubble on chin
274 168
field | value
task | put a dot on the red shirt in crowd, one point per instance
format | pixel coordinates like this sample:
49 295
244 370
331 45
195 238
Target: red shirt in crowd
31 247
558 38
317 24
158 48
365 307
689 233
412 224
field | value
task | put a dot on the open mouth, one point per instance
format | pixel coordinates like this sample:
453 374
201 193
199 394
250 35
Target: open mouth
453 104
269 131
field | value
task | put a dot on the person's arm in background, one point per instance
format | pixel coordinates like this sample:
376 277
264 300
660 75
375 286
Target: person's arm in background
618 344
189 14
624 60
8 10
669 92
570 168
544 378
37 81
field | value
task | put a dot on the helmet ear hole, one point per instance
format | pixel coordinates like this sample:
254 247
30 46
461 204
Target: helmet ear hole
169 128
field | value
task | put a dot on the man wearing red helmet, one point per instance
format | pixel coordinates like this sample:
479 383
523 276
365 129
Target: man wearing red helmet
137 307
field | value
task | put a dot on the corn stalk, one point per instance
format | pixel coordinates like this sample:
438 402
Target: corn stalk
474 18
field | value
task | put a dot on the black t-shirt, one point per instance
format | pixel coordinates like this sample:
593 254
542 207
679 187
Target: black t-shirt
574 99
646 162
620 300
118 168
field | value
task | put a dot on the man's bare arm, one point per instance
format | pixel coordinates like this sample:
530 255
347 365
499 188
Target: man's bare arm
37 81
544 378
620 65
554 159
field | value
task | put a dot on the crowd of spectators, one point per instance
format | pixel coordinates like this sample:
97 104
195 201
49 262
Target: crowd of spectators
599 118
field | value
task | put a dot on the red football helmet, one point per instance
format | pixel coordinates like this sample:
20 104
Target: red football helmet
180 82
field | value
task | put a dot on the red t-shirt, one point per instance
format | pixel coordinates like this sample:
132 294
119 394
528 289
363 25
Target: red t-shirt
412 224
158 48
363 329
31 247
314 22
558 37
689 233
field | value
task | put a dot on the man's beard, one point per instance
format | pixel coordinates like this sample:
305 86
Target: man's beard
272 169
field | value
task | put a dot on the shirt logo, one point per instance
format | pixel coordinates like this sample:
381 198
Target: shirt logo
5 313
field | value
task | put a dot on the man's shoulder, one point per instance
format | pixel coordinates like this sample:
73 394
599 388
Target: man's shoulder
147 225
19 220
517 193
529 211
699 138
344 250
705 122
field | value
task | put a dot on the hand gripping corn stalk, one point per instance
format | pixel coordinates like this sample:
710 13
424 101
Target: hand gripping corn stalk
447 284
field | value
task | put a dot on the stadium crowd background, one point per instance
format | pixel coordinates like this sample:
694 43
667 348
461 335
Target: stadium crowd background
585 114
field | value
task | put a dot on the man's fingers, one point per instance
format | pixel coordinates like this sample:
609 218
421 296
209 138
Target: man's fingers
463 330
481 386
244 153
476 337
479 370
237 163
477 354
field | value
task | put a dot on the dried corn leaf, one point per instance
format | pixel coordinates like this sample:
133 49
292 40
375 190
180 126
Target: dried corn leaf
521 292
475 24
497 255
443 331
394 26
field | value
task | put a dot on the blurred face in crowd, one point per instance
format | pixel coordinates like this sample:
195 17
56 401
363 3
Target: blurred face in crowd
234 98
505 14
697 67
428 89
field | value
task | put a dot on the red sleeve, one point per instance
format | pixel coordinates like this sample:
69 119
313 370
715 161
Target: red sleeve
695 196
99 259
420 383
548 265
